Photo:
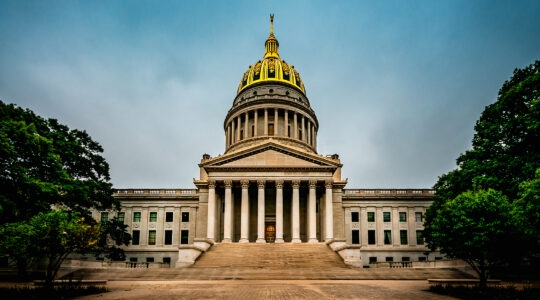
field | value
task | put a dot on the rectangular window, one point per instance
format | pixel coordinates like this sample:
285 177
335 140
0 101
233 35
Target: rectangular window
169 216
185 217
371 237
403 237
149 259
135 237
167 260
133 259
151 237
153 216
104 216
405 258
271 129
121 217
389 259
373 259
387 237
168 237
252 130
354 216
418 216
137 216
419 237
356 237
386 216
184 237
422 258
402 216
371 216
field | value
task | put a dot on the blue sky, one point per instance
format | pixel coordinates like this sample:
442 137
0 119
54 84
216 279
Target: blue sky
397 86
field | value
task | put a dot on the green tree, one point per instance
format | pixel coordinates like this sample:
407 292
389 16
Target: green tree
504 154
527 213
44 163
17 241
472 227
59 233
113 234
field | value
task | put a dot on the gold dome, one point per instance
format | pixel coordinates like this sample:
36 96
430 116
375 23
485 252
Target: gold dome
271 68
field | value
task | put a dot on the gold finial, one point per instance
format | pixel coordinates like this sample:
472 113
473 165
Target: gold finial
271 24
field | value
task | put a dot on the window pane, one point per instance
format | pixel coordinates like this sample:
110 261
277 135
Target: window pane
418 216
403 217
121 216
387 237
419 237
169 216
184 237
136 216
372 259
153 216
151 237
403 237
149 259
354 216
168 237
371 237
104 217
371 216
386 216
185 217
356 237
135 237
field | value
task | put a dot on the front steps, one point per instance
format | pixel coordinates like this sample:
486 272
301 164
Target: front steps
252 255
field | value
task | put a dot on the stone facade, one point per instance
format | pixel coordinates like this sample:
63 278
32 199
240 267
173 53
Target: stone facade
271 186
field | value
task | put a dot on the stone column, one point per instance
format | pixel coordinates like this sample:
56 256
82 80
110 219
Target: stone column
260 212
308 132
279 211
295 120
286 130
255 118
233 135
238 127
266 121
244 217
312 213
246 121
227 219
303 129
296 212
329 212
211 210
276 130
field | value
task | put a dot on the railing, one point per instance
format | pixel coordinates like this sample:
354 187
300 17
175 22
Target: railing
389 192
156 192
137 265
401 264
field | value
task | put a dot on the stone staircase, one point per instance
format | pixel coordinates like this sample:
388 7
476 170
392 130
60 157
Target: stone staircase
252 255
267 262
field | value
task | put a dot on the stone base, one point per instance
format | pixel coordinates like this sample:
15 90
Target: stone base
349 253
260 241
188 254
296 241
279 241
313 241
243 241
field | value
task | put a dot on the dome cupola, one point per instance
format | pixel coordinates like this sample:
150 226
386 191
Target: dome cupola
271 68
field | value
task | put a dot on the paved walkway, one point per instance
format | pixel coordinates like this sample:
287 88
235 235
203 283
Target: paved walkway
269 289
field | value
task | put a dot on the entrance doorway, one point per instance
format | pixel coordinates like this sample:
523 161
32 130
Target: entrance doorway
270 232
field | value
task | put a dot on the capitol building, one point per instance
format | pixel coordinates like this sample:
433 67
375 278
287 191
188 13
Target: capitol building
271 185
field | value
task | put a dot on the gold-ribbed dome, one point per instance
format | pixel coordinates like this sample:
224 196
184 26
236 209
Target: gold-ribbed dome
271 68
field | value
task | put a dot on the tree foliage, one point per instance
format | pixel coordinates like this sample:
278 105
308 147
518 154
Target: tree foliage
472 227
44 163
501 163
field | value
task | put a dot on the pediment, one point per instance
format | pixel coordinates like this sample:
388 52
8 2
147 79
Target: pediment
270 158
270 155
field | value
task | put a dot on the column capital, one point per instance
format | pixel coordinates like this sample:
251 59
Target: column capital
261 183
295 184
279 184
328 184
312 183
211 184
244 183
228 183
